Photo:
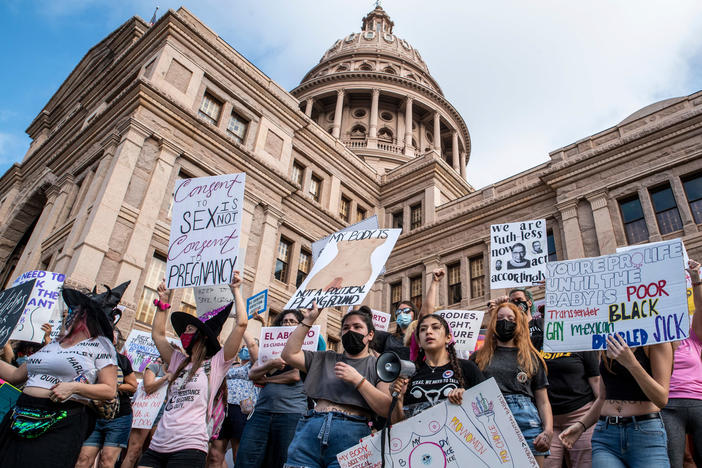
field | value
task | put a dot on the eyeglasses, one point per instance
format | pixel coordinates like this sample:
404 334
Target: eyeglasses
404 310
290 322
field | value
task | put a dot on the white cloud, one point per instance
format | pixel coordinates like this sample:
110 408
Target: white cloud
12 147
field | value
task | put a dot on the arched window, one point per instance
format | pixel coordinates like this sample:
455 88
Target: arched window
385 134
365 67
390 70
358 132
342 68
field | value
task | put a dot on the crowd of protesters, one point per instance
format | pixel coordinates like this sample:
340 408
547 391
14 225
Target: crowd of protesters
623 407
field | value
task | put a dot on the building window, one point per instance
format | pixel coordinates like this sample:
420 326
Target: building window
666 209
156 272
344 208
298 172
693 190
477 277
633 219
187 304
237 127
316 187
209 109
415 216
395 297
397 219
283 261
454 283
361 213
551 242
303 267
416 291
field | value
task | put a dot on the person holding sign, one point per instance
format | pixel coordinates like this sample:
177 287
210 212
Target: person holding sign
440 374
345 387
51 419
509 356
183 432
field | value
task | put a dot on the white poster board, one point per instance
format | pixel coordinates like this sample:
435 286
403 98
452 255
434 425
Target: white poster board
365 224
205 230
346 269
141 350
45 305
145 407
465 325
639 294
273 340
518 253
381 320
481 432
209 298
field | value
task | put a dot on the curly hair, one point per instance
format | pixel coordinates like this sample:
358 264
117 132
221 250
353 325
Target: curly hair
453 358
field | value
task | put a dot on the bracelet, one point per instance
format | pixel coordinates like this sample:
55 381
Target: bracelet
360 383
305 324
582 424
161 305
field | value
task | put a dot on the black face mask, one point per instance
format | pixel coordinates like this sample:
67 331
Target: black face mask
523 305
505 330
353 342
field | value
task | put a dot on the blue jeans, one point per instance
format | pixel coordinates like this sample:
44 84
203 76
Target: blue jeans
321 436
265 440
639 444
527 416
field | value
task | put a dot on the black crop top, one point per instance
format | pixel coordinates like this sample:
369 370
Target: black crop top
620 384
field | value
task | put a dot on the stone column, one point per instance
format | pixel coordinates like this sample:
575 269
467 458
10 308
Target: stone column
454 149
308 107
373 131
571 230
409 151
463 164
603 223
654 235
689 225
269 249
337 113
437 132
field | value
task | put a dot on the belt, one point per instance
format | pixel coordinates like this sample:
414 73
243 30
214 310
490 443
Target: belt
620 420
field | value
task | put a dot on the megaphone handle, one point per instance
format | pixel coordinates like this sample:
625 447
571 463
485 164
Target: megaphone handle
395 394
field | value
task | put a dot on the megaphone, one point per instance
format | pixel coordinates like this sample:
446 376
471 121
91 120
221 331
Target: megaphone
390 367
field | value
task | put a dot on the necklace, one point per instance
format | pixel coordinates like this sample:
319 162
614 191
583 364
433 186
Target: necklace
433 368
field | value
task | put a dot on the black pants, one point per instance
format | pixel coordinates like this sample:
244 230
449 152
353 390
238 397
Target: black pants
189 458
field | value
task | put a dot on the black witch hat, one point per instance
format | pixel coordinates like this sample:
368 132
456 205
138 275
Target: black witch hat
100 305
209 325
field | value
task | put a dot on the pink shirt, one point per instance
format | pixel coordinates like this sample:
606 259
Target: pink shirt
184 422
686 381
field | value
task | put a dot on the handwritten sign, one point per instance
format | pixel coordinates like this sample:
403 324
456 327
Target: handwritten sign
639 294
465 325
12 304
273 340
479 432
44 306
363 225
257 303
145 407
209 298
204 240
346 269
518 253
141 350
381 320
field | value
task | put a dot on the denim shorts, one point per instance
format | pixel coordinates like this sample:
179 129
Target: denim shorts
110 432
527 416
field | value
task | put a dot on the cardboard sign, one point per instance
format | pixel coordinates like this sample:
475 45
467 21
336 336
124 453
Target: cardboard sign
12 305
145 407
141 350
44 306
480 432
465 325
205 230
273 340
257 303
346 269
209 298
639 294
518 253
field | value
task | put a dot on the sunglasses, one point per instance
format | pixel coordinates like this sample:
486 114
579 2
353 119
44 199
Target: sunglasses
403 310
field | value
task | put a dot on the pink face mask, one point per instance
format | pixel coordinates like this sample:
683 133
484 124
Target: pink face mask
186 339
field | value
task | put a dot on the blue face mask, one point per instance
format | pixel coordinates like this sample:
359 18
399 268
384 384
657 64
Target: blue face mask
21 360
244 354
404 319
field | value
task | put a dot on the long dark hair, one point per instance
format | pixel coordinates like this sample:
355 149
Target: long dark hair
451 348
278 320
96 322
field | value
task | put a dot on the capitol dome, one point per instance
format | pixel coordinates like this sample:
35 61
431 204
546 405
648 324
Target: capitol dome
373 91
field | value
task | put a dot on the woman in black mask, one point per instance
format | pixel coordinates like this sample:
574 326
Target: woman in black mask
345 388
509 356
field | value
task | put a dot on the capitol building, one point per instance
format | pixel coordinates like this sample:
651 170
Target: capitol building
368 131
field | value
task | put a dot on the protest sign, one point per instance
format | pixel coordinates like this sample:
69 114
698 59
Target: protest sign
12 304
465 325
8 398
479 432
363 225
381 320
44 306
518 253
257 303
273 340
204 240
145 407
209 298
141 350
346 269
639 294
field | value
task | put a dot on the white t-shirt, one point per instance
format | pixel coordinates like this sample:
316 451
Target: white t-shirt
53 364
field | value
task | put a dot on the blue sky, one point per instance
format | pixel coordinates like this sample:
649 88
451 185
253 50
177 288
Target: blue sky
528 77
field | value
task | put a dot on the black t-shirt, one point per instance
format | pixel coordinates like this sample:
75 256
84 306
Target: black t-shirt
569 388
510 378
384 341
429 386
536 332
125 404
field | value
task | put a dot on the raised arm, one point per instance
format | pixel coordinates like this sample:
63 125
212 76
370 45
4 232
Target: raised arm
694 270
292 353
251 345
158 328
231 346
151 383
429 303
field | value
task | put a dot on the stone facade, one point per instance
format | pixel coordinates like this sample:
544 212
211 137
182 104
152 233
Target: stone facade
367 132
